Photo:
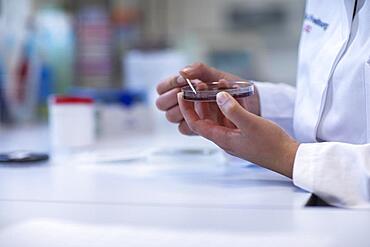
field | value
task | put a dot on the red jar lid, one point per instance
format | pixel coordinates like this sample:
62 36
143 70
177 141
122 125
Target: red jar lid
59 99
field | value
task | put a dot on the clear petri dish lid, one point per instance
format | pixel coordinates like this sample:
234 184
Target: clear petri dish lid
206 92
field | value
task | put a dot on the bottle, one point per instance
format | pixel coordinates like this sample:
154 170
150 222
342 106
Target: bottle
72 124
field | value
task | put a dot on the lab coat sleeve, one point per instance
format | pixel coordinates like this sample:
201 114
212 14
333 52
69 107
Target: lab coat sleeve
277 103
338 173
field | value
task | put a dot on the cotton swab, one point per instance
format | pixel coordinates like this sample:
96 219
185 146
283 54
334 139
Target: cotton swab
191 85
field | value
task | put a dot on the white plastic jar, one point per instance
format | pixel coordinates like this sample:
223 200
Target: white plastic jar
72 122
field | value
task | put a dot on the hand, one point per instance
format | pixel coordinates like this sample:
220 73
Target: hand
168 89
254 139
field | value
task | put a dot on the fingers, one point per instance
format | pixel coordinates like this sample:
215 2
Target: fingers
203 110
187 108
170 83
202 72
227 123
235 112
174 115
199 71
168 99
220 135
184 129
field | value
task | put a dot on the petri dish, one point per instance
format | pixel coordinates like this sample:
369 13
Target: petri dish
206 92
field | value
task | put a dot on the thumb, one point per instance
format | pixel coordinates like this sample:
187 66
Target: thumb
234 111
201 72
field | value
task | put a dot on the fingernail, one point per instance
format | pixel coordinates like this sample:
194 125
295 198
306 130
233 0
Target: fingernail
223 99
179 95
180 80
187 70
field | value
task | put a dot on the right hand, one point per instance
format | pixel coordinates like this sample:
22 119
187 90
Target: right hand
169 88
252 138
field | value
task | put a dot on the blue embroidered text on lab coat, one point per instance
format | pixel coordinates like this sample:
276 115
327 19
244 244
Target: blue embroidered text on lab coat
316 21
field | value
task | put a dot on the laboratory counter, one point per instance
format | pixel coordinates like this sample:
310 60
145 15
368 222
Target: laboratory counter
141 191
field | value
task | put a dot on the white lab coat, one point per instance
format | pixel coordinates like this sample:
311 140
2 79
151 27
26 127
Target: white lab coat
329 111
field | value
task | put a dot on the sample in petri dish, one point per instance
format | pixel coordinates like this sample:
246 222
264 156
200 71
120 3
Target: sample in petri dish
206 92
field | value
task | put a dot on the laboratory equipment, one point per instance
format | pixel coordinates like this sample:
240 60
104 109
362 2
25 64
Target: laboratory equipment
206 92
22 157
72 122
191 85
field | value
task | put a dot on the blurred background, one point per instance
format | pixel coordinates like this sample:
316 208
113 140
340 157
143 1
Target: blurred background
116 52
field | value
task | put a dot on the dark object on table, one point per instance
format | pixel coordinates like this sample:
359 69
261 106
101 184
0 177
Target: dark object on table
316 201
22 157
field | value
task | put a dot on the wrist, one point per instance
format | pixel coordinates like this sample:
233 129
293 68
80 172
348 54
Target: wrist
288 162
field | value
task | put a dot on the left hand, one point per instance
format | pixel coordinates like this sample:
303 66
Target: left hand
254 139
198 72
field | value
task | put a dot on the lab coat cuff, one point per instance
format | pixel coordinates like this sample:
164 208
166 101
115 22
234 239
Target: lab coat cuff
264 95
276 100
304 166
277 103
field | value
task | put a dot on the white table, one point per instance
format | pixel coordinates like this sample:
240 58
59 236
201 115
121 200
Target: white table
144 182
225 198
